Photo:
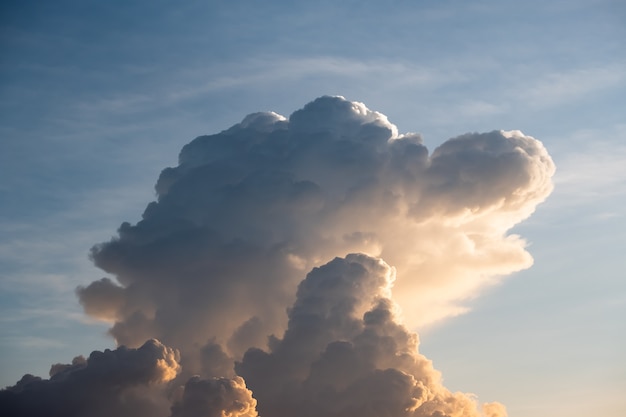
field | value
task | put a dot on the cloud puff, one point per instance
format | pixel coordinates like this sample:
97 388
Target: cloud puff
215 397
345 353
121 382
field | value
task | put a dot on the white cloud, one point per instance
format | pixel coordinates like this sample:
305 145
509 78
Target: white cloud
332 179
214 262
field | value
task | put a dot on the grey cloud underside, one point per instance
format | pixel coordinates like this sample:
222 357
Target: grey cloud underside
122 382
217 260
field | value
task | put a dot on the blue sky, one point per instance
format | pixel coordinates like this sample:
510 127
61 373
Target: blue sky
96 98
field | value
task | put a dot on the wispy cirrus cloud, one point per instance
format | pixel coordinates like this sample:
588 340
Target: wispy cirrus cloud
593 171
556 88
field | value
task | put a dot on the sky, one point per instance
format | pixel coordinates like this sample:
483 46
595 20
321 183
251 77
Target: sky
98 98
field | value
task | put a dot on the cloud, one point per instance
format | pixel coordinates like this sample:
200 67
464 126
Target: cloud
248 210
345 353
594 169
563 87
217 259
216 397
121 382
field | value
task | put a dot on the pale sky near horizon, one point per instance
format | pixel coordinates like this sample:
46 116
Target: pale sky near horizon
96 98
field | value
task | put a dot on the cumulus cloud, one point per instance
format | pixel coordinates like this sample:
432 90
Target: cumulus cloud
249 210
345 353
215 397
121 382
217 260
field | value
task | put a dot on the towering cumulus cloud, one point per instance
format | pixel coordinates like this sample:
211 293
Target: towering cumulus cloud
218 259
345 354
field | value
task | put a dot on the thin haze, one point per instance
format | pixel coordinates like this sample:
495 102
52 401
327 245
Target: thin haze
207 294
